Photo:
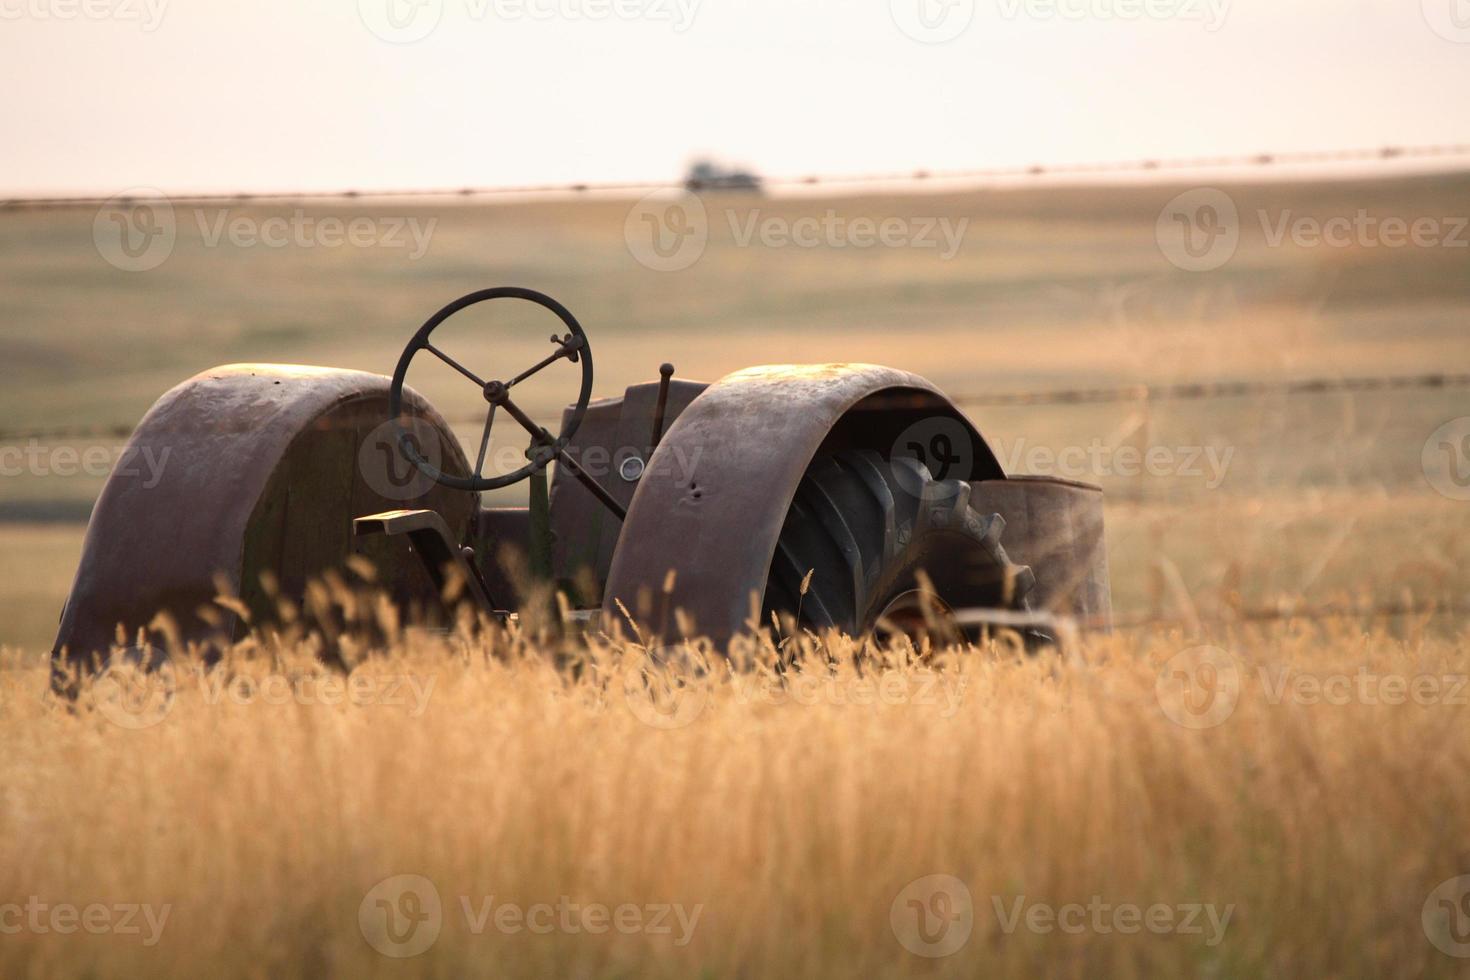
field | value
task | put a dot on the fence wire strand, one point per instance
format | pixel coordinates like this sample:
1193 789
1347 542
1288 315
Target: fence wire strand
1248 161
1062 396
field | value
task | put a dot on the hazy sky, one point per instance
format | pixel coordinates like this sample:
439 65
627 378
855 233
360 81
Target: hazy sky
104 95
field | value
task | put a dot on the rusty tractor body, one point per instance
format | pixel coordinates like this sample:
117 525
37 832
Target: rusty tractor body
834 496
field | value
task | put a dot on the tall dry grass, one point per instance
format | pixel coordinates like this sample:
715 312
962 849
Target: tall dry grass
789 816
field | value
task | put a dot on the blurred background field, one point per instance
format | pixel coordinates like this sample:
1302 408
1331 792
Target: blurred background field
1053 287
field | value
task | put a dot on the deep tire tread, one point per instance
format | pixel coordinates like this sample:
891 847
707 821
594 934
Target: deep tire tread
862 532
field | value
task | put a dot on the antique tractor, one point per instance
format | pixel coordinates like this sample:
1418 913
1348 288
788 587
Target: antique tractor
830 496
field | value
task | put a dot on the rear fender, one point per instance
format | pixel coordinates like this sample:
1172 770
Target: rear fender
711 506
261 469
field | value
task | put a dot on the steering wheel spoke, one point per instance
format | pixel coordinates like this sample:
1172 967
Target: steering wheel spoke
454 364
526 422
479 472
569 348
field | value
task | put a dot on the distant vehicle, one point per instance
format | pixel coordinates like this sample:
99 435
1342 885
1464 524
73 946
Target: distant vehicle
708 175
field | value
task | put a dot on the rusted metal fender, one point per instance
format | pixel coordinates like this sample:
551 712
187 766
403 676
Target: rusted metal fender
251 469
712 501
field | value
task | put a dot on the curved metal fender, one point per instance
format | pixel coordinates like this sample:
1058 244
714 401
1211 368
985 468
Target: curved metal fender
712 501
257 465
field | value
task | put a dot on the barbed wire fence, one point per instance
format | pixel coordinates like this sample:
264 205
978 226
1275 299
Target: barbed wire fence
1056 396
744 182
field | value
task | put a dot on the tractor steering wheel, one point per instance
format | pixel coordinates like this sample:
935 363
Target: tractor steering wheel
544 448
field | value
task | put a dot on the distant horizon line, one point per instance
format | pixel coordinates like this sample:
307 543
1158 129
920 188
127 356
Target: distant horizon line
1321 166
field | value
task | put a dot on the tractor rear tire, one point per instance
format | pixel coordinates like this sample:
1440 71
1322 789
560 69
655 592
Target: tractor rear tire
866 536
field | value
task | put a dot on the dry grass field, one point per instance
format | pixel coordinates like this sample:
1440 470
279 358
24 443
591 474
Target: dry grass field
777 831
1217 794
